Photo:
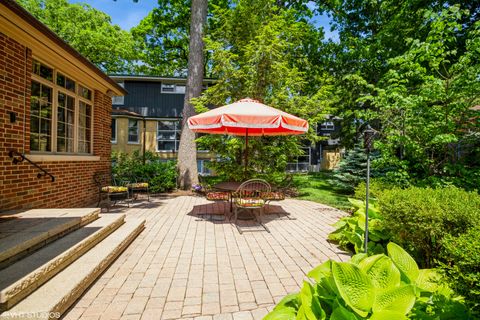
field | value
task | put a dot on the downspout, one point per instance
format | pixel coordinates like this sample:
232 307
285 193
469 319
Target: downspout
144 138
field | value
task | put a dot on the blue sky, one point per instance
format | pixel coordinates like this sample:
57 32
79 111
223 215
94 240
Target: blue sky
128 14
125 13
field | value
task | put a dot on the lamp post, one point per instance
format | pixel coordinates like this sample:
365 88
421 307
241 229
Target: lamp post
368 135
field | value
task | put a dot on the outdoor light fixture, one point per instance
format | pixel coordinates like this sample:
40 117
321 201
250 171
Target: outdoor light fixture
368 136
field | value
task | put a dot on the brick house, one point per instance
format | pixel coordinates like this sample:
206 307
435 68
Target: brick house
55 110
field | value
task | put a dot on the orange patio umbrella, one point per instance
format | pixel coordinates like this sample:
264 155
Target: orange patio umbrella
247 117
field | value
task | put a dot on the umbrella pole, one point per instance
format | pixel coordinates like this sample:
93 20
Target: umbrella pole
246 152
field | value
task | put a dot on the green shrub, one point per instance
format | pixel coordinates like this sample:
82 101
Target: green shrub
375 287
164 178
377 185
161 176
350 231
461 263
419 219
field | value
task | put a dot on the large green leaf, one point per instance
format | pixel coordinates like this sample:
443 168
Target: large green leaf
427 280
368 262
404 262
342 313
323 270
356 259
301 314
382 271
354 287
356 203
284 313
400 300
310 304
290 300
388 315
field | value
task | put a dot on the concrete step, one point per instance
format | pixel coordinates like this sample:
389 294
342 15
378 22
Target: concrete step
23 233
59 293
23 277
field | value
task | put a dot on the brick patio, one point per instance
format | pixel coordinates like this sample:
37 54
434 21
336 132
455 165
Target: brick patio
188 263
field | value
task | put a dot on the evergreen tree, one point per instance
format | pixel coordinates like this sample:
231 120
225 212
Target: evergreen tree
351 170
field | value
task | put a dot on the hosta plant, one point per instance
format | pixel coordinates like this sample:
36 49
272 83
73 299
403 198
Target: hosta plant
377 287
350 231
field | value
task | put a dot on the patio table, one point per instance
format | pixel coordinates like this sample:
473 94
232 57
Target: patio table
230 187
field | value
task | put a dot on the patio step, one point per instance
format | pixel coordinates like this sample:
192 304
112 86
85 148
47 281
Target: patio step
25 232
60 292
23 277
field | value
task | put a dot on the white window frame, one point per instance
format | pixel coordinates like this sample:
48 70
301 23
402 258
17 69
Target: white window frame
168 85
116 130
204 171
298 164
174 88
128 131
327 125
119 100
176 130
56 89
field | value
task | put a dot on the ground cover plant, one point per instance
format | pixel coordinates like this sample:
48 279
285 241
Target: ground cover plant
350 230
438 227
161 175
371 287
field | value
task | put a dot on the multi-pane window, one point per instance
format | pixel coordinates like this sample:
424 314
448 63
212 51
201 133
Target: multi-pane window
202 167
327 126
65 82
133 131
119 100
84 127
303 162
168 88
84 92
113 127
61 113
168 135
42 70
65 122
173 88
41 106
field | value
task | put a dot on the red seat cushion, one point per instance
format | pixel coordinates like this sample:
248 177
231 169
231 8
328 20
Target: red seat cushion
217 196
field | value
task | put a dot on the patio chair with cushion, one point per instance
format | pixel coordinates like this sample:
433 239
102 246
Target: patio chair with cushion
138 187
248 197
109 193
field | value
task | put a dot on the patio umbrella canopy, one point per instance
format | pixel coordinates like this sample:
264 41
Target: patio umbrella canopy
247 117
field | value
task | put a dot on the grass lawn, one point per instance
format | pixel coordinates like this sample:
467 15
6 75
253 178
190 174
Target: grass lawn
315 187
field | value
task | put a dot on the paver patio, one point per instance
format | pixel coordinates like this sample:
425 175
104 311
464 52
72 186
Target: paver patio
188 263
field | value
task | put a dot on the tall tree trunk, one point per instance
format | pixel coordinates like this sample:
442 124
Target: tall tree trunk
187 152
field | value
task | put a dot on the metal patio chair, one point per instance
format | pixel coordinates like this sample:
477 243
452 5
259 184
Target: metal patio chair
109 194
248 198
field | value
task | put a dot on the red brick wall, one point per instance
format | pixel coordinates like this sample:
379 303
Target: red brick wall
19 186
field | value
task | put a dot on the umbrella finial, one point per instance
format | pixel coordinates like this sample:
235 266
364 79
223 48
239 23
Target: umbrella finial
247 99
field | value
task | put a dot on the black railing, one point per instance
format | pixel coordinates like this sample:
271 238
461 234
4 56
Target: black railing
19 157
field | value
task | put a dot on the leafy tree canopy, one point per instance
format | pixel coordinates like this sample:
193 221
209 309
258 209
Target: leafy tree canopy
87 30
161 38
259 51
